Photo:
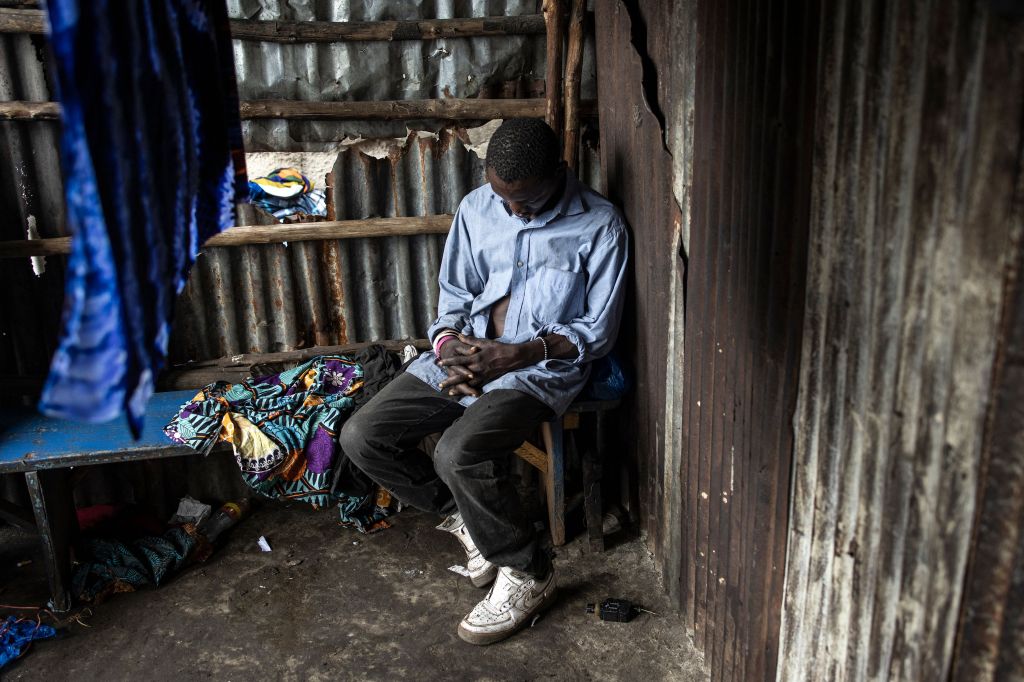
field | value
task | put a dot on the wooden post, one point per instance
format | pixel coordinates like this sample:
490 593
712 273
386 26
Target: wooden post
329 197
553 78
573 75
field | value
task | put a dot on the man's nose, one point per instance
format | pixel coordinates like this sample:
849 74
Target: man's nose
518 208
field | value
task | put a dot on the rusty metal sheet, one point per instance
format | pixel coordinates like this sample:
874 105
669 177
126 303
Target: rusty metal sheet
915 204
735 258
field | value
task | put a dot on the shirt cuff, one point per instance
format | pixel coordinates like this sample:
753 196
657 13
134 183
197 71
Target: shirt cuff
454 321
572 335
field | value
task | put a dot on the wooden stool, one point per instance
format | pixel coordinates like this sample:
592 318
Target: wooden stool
557 436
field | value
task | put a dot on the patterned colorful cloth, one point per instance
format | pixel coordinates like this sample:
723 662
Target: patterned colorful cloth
151 151
284 432
285 192
113 566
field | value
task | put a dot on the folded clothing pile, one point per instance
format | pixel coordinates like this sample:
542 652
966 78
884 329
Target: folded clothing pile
286 192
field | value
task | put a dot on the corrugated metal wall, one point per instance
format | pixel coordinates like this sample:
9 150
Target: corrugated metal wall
918 154
267 298
753 123
719 293
990 643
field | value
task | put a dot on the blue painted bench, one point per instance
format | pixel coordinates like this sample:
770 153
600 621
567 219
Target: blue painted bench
45 449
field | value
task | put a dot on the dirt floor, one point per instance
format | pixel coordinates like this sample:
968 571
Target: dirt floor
329 603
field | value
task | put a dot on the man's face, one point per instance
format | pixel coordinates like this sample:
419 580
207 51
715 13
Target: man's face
527 198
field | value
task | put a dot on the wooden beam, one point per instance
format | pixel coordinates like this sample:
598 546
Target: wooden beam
237 367
267 234
449 109
339 229
26 248
453 109
32 21
444 109
573 76
29 111
554 19
22 21
423 29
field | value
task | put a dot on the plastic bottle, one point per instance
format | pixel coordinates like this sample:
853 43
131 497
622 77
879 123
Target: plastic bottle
225 517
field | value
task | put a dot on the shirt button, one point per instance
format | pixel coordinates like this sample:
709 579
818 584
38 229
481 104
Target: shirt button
520 264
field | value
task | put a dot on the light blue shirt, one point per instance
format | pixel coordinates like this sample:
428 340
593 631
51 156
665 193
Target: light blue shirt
564 272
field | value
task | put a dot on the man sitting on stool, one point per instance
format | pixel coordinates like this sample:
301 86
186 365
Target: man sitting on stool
532 281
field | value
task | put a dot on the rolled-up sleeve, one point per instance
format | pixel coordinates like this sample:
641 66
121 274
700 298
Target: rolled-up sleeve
459 281
594 332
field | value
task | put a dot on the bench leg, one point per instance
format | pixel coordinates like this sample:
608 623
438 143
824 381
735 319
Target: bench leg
554 479
54 508
592 507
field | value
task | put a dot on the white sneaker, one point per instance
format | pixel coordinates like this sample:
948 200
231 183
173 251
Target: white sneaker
515 598
481 571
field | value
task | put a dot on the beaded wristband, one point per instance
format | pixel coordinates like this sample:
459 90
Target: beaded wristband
545 344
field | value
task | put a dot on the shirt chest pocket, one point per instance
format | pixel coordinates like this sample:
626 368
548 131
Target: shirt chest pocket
555 295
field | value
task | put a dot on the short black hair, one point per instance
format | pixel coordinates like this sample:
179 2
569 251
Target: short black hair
523 148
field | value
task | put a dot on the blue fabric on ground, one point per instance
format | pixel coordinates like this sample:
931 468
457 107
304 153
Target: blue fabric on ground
16 634
151 151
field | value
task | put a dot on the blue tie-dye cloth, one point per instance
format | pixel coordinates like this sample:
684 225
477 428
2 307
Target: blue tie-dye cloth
152 157
16 634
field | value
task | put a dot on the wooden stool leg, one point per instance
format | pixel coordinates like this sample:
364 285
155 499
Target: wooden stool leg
54 508
592 507
554 479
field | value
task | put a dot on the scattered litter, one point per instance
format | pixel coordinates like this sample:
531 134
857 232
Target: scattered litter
536 617
190 511
412 572
294 562
616 610
461 570
23 562
237 358
264 545
227 516
409 352
355 542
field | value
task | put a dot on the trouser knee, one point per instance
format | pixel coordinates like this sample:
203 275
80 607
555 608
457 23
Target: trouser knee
356 438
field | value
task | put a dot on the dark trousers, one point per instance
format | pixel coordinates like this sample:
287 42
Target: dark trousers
471 461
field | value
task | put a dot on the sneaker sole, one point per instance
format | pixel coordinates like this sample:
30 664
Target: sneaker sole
485 638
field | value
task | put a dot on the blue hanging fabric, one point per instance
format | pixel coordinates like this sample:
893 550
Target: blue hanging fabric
153 164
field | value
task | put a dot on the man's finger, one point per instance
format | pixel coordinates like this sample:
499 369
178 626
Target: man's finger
452 381
465 349
459 361
463 389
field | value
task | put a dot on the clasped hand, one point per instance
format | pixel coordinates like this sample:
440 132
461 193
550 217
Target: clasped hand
472 362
